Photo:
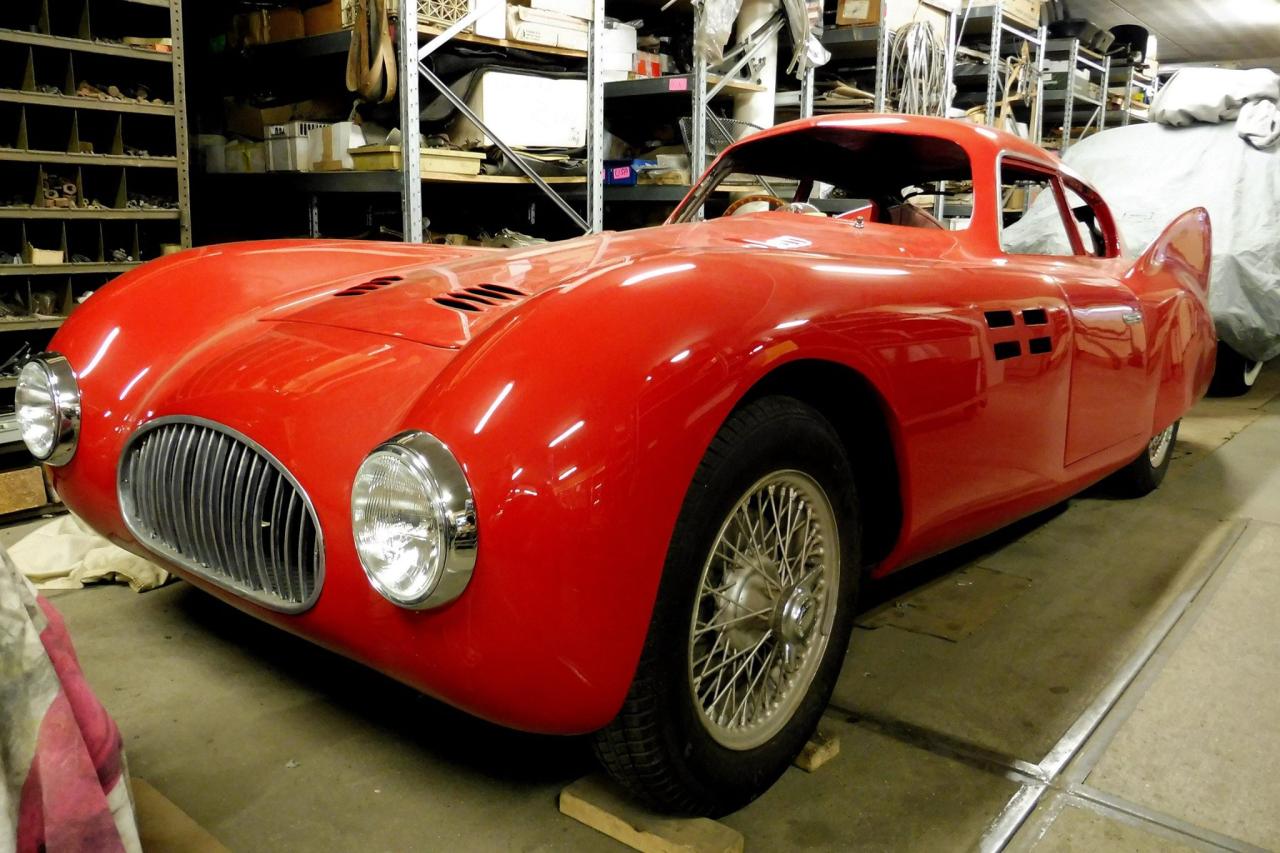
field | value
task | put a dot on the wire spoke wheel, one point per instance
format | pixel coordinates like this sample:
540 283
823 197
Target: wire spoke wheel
1159 446
764 610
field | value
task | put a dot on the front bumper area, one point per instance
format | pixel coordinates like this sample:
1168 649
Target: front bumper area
512 649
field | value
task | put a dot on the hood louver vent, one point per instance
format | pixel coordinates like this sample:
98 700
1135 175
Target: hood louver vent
369 286
478 298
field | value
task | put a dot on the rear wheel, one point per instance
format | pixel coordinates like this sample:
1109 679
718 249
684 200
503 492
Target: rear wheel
1142 475
1234 374
752 618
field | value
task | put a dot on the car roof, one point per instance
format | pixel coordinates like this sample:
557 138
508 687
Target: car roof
979 141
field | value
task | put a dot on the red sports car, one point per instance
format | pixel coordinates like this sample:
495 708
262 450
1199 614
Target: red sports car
629 483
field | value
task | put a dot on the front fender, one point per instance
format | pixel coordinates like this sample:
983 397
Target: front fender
580 422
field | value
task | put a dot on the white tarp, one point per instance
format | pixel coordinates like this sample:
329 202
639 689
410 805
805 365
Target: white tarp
1212 94
1150 173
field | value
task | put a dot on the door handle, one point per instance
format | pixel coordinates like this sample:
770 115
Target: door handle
1132 318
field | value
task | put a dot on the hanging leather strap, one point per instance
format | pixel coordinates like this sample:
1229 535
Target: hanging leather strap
371 62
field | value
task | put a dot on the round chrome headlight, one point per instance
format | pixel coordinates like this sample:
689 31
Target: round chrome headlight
414 521
47 404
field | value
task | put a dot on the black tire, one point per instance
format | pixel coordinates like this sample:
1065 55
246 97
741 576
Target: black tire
658 747
1141 476
1233 375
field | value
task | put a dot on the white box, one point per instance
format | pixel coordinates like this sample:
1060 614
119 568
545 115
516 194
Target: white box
620 37
525 110
552 29
329 146
573 8
287 147
492 23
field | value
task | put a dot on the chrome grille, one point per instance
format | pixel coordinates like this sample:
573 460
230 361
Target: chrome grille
215 502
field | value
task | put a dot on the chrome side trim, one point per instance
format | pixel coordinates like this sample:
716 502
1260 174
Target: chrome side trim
209 525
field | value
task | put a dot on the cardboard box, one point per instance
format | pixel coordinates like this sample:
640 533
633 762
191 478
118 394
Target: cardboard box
40 257
526 110
647 64
324 18
252 121
858 13
22 489
1026 12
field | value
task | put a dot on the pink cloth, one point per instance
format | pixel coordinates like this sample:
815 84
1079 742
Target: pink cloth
65 775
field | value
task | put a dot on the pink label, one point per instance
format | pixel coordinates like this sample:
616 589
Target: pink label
678 84
621 173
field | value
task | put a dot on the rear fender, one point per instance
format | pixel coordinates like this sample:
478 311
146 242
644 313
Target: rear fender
1171 278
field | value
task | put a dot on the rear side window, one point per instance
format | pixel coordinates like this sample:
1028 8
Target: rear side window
1088 224
1028 193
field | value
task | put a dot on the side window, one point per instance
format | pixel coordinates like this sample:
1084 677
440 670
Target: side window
1086 222
1031 220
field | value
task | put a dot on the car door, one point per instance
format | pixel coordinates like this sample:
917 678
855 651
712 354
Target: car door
1110 389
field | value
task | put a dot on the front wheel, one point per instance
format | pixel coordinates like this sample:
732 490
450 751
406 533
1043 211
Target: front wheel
1142 475
752 619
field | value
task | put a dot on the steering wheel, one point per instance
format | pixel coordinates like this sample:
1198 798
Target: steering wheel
774 202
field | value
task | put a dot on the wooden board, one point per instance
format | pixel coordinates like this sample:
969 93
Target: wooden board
165 828
601 805
22 489
820 749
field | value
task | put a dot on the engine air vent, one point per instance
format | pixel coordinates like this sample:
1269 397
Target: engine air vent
369 286
480 297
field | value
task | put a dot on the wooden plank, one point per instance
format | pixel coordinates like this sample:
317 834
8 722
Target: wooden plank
165 828
820 749
22 489
601 805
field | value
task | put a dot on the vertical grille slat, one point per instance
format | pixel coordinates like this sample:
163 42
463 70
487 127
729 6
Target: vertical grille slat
211 500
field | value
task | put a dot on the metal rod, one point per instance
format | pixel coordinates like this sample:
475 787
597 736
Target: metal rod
595 121
806 94
698 114
461 106
411 135
993 70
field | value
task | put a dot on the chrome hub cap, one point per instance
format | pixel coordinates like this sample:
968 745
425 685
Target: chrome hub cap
764 611
1159 446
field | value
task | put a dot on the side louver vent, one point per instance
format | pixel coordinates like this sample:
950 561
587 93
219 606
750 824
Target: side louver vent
478 298
369 286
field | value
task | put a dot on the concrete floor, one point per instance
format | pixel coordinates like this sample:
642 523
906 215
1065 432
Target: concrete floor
1101 677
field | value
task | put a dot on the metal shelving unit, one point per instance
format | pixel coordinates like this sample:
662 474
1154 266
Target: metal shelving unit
1004 38
109 150
1067 105
1126 81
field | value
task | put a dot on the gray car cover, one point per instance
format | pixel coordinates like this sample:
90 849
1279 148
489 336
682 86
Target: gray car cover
1150 173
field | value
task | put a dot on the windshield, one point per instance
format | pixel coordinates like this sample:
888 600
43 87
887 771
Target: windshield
886 177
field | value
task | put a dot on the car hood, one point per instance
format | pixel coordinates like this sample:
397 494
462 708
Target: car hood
451 297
